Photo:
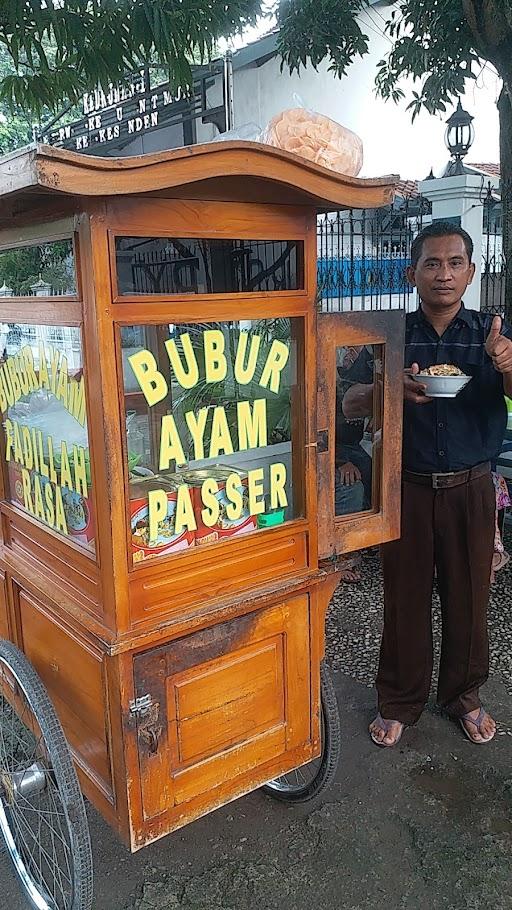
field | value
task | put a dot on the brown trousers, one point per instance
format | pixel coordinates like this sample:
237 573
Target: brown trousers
451 530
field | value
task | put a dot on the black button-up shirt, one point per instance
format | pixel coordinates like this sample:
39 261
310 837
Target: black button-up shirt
452 434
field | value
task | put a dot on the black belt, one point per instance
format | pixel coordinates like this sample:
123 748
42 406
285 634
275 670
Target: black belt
450 479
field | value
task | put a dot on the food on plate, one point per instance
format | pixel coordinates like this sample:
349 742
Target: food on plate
442 369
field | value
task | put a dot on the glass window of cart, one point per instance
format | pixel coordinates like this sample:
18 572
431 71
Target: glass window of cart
174 265
42 399
358 437
212 430
38 270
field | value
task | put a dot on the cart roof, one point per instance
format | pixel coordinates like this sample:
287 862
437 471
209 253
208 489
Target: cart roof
228 171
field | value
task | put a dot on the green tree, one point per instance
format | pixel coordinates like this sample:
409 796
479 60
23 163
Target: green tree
22 267
61 48
15 124
441 43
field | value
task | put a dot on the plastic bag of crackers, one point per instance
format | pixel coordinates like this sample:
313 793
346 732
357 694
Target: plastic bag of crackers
317 138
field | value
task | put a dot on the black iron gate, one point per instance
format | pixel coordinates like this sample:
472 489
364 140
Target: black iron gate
495 267
363 255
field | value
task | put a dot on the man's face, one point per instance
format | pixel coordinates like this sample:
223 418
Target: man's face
442 272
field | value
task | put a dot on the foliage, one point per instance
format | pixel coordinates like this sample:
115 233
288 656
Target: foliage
311 30
50 53
15 125
22 267
442 43
61 48
227 393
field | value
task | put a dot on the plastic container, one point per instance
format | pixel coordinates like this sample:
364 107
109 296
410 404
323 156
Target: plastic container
270 519
509 412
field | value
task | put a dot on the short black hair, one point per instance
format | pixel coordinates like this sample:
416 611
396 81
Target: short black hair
439 229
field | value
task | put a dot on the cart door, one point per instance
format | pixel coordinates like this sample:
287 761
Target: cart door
359 424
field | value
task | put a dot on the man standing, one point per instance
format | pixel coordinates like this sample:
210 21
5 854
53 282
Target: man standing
448 500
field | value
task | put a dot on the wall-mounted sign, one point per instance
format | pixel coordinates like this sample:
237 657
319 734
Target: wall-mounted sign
134 108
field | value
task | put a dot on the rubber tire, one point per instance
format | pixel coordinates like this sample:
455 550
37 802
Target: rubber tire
63 769
331 748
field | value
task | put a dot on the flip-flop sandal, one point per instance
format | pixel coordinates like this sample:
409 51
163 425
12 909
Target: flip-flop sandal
477 722
386 726
355 578
500 562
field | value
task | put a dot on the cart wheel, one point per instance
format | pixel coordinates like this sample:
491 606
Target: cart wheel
42 814
306 782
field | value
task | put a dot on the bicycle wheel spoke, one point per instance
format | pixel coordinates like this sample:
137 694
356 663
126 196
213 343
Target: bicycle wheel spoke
42 813
43 854
50 849
27 807
26 852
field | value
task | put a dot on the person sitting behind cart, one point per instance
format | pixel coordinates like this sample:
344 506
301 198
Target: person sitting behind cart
355 363
353 464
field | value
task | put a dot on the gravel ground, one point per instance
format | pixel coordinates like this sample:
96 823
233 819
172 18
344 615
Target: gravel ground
354 623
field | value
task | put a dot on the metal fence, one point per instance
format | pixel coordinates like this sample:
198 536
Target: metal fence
363 254
495 267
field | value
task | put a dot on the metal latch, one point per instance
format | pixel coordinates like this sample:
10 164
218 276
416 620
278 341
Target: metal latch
322 441
147 713
139 707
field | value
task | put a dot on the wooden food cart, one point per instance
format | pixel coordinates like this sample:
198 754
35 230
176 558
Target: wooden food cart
169 524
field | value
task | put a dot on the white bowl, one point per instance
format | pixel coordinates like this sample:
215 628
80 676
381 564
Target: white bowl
442 386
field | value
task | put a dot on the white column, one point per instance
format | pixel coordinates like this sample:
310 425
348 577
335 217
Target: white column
460 199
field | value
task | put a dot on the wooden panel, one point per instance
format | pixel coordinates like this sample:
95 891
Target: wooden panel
73 675
105 420
346 534
61 171
226 701
219 571
176 218
57 311
67 567
157 310
235 698
4 618
34 208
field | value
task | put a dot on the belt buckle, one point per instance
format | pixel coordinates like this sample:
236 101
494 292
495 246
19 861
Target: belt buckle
437 479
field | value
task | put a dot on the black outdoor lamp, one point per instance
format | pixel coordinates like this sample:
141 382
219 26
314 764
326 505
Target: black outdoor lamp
458 137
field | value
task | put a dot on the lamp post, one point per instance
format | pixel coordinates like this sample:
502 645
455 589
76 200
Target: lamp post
456 198
458 138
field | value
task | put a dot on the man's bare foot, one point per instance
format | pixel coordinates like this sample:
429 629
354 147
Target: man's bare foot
478 726
386 732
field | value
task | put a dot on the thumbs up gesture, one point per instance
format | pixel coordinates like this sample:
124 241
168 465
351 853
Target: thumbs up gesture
499 348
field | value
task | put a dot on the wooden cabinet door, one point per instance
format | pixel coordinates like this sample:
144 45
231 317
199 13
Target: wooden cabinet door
229 707
359 424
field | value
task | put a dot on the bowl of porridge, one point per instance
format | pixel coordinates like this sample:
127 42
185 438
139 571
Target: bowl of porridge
442 380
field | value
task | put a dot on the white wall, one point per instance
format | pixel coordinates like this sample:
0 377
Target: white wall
392 144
